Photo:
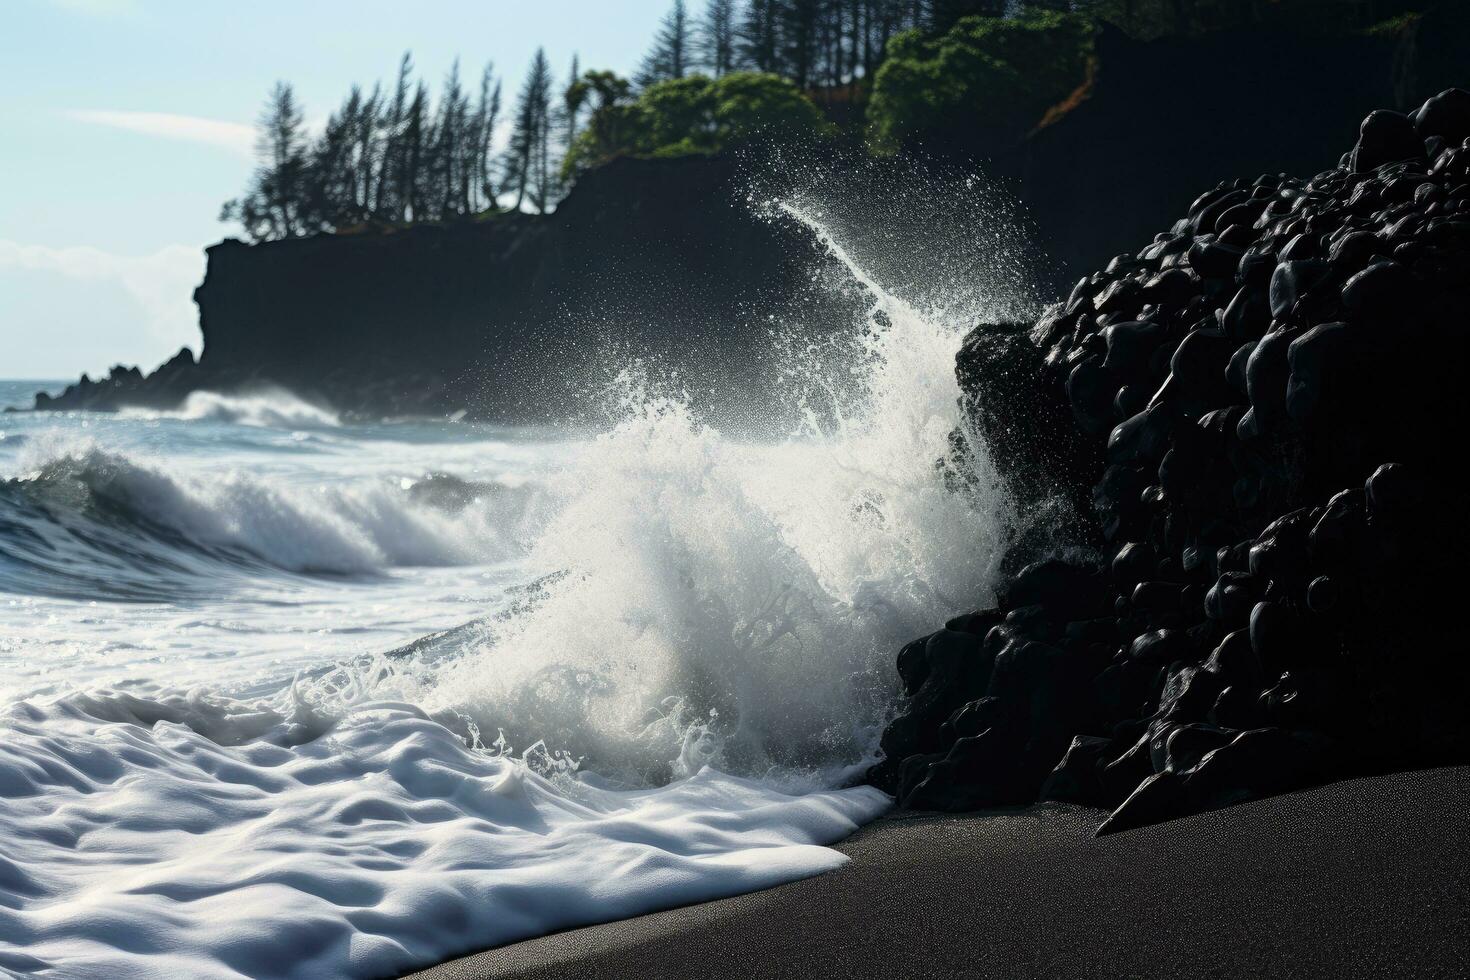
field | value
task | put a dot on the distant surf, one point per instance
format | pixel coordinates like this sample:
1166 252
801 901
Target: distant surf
125 526
273 407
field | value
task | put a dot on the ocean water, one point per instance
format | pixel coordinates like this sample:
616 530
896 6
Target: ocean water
289 695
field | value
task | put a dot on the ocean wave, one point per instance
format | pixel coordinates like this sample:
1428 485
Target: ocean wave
716 602
702 651
274 408
84 522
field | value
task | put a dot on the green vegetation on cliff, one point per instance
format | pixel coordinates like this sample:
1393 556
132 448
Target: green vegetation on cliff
690 115
986 80
970 78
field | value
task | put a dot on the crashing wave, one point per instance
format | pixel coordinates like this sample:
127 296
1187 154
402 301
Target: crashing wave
99 524
273 408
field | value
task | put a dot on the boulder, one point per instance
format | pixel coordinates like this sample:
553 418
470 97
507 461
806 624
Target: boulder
1386 137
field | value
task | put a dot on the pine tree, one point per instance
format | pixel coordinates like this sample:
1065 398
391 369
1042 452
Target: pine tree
799 21
275 203
715 37
831 58
333 171
527 159
367 154
670 55
487 116
448 134
861 23
345 196
417 136
391 199
573 98
568 120
544 182
758 37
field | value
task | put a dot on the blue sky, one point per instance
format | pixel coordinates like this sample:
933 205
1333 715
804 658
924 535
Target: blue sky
127 122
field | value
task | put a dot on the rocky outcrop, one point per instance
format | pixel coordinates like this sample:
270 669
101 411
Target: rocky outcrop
515 317
1265 405
1049 461
168 385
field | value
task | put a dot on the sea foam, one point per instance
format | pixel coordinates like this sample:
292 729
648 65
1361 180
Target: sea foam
193 836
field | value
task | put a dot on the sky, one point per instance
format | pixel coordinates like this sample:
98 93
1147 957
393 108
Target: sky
124 124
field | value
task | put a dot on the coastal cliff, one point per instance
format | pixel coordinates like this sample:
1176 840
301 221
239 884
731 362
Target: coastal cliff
510 318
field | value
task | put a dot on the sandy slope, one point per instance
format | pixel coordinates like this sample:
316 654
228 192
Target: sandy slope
1357 879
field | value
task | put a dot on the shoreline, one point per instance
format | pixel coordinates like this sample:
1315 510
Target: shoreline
1364 877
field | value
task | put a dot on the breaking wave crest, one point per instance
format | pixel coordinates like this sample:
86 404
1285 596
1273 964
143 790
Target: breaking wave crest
87 523
267 408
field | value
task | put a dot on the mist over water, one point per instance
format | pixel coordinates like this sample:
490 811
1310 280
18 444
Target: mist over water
657 646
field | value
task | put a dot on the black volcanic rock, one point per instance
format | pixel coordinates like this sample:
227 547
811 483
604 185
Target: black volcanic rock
1446 115
1261 593
168 385
1012 398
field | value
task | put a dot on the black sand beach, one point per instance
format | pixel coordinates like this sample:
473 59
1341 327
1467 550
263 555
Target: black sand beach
1364 878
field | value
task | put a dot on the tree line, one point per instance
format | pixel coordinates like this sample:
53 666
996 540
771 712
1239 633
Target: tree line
397 154
1159 18
831 43
811 42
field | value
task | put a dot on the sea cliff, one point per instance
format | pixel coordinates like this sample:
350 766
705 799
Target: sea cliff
512 318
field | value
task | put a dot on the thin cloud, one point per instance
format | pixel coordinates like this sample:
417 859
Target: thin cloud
238 138
162 284
97 8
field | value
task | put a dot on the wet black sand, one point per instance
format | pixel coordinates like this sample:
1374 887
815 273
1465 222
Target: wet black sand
1364 878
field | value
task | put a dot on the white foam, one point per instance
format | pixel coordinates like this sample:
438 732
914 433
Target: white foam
268 408
198 837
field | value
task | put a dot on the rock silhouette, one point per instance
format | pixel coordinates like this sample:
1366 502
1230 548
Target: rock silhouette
1258 456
